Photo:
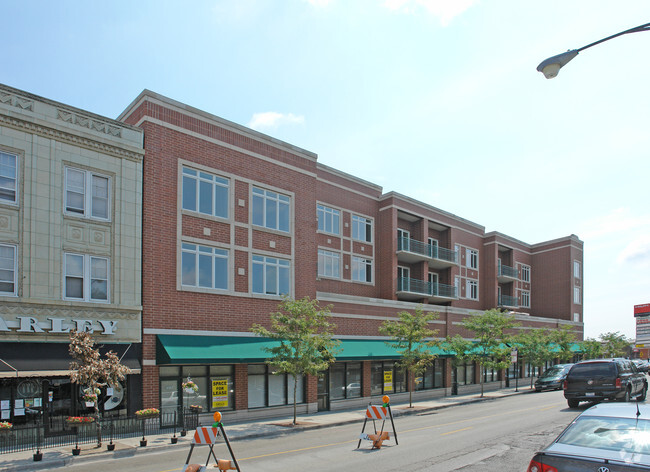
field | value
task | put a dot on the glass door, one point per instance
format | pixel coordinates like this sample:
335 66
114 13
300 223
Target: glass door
323 392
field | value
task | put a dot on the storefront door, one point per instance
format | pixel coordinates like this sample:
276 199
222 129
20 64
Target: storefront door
324 392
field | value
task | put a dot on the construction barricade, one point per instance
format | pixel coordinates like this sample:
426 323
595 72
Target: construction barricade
207 436
378 413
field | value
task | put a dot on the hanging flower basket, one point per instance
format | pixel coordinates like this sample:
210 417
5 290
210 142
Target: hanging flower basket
189 386
79 420
5 427
90 396
147 413
196 408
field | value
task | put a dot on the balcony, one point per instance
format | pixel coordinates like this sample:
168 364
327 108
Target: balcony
412 251
506 274
415 289
508 301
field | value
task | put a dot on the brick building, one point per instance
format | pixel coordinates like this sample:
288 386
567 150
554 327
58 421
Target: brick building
233 219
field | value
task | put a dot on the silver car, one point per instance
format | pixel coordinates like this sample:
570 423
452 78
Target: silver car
608 437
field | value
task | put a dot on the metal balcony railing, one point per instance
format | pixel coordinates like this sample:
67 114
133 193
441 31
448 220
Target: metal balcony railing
506 271
427 250
405 284
506 300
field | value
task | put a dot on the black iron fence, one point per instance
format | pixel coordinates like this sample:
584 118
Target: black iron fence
61 433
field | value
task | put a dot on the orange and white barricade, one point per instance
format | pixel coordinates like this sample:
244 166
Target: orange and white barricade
375 413
207 436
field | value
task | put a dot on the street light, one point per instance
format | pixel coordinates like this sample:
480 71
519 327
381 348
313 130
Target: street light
551 66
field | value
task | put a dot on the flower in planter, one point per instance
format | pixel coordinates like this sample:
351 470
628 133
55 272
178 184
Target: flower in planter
80 419
190 386
147 412
91 395
5 425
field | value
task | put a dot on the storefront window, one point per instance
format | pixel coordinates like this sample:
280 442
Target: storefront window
223 387
345 380
385 378
268 389
431 378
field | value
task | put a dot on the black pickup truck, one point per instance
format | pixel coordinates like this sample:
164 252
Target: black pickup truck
604 379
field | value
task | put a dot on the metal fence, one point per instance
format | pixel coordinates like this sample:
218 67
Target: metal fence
108 429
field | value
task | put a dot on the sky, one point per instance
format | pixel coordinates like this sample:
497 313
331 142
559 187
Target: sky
438 100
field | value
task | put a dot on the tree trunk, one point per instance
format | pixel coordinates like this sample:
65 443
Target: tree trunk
481 374
295 386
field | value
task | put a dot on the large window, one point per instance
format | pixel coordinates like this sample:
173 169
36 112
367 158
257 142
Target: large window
329 219
472 289
329 264
215 382
204 267
464 374
432 377
385 378
345 380
86 278
525 273
266 388
205 193
361 228
87 194
7 269
472 258
525 299
8 177
361 269
270 275
270 209
576 295
576 269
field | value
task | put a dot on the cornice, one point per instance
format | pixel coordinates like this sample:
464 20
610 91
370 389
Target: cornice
70 138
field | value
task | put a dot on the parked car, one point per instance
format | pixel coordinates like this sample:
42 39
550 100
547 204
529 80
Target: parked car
604 379
552 378
642 365
606 437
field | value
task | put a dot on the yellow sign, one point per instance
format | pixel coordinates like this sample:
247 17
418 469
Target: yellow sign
640 345
388 381
219 393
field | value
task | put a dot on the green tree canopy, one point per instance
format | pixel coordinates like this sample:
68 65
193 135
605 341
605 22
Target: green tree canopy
564 338
615 344
535 346
304 333
412 339
591 349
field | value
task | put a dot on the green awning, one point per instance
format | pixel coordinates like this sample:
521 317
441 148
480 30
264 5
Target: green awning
187 349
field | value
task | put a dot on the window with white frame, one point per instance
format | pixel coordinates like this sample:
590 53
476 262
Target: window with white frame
8 270
361 269
87 194
205 193
204 267
86 278
472 258
329 264
329 219
361 228
270 209
525 273
576 269
525 299
270 275
8 177
472 289
576 295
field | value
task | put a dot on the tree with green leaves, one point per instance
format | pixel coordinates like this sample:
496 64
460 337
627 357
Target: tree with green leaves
92 371
412 339
615 344
591 349
304 334
490 329
564 339
535 346
462 350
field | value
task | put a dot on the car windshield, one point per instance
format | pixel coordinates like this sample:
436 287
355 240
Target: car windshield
611 434
552 372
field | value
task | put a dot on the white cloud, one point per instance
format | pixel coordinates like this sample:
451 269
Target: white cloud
273 120
444 10
636 252
619 221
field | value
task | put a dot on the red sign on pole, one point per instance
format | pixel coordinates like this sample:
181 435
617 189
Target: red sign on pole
640 310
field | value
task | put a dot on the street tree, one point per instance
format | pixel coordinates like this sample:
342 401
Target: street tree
462 350
591 349
535 346
564 339
93 372
413 340
615 344
490 329
304 334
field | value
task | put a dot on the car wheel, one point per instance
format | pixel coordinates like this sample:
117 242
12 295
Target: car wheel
643 394
573 403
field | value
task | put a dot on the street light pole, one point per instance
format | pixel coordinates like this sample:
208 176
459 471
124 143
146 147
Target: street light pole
551 66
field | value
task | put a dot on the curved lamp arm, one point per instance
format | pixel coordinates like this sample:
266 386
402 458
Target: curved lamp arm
551 66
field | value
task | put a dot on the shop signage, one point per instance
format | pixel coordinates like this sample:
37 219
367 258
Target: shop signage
388 381
29 324
640 310
219 393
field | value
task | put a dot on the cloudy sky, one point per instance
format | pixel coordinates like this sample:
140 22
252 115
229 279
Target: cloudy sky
435 99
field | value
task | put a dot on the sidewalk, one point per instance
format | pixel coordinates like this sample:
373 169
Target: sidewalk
62 456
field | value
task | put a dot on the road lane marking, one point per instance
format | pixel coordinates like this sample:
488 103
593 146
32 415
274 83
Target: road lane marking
456 431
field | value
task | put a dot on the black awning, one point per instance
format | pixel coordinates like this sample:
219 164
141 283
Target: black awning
38 359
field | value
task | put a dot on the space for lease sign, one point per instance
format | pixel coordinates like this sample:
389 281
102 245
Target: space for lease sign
220 393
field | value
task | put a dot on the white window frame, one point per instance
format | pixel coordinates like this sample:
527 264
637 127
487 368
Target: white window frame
404 273
87 277
472 255
268 264
576 317
404 234
361 269
329 219
576 296
361 228
87 193
577 270
525 273
215 183
471 285
266 198
525 298
9 269
199 253
8 177
329 264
